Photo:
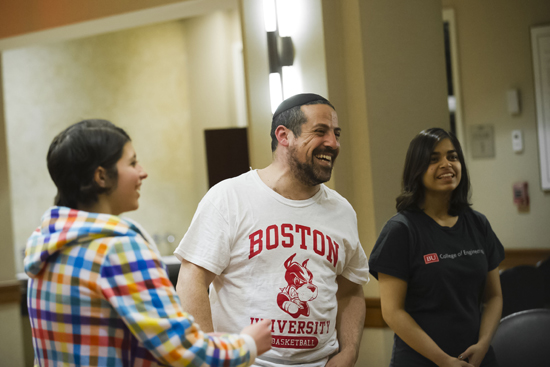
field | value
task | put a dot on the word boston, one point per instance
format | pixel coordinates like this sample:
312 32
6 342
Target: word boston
285 234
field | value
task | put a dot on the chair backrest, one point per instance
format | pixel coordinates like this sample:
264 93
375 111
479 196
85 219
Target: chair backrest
543 268
522 289
523 339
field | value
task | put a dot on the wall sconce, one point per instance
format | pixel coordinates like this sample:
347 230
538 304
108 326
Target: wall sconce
280 53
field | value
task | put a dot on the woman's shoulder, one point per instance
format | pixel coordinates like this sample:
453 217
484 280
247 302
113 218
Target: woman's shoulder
407 217
403 223
475 215
477 219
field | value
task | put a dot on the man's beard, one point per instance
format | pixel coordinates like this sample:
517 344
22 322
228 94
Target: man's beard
309 173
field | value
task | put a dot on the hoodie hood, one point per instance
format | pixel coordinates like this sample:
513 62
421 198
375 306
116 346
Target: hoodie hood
63 227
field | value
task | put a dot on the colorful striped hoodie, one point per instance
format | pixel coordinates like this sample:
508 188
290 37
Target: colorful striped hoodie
99 295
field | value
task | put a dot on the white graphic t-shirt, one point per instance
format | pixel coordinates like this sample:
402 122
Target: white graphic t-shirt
276 258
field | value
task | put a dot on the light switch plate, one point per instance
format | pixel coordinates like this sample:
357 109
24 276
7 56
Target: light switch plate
517 141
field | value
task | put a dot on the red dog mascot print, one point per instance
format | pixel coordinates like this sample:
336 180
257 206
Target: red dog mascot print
300 290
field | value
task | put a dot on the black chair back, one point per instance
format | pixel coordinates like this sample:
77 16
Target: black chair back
523 339
522 289
544 270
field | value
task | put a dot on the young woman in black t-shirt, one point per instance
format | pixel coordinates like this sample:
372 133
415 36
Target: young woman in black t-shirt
437 263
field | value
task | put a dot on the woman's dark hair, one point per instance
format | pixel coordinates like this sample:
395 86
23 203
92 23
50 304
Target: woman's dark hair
416 164
77 152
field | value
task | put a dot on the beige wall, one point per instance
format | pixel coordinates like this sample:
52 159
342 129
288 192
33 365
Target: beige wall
213 42
7 270
11 348
134 78
346 81
406 87
163 83
257 84
494 51
388 81
385 67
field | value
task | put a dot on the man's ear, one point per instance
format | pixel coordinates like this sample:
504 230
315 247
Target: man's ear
100 177
283 134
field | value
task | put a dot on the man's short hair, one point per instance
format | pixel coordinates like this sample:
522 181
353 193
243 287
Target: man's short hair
290 115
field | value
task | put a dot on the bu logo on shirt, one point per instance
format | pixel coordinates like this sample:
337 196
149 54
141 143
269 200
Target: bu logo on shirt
431 258
300 290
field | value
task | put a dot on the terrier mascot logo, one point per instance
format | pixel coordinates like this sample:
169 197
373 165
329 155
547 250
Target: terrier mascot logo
300 290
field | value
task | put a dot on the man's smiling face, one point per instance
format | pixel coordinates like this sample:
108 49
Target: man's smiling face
312 154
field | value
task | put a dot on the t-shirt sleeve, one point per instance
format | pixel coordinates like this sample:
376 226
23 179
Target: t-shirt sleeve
357 269
206 242
495 250
390 254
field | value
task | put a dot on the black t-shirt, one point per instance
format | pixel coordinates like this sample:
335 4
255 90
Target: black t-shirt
445 269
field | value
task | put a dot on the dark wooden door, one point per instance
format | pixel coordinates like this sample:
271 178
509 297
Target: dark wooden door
226 153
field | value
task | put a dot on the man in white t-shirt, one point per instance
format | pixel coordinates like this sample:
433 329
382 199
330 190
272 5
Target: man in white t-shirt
278 244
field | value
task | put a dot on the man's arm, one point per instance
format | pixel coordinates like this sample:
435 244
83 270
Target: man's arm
192 289
349 322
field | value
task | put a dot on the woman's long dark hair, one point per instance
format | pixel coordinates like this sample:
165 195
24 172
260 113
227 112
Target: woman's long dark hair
76 153
416 164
